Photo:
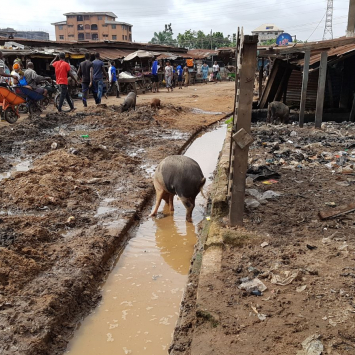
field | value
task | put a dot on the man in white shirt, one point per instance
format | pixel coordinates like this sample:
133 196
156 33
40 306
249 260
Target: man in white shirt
215 71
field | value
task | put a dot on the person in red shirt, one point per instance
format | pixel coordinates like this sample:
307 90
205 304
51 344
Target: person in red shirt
62 70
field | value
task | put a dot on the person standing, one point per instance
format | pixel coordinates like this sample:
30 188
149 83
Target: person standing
3 70
179 73
15 72
186 76
204 70
215 71
155 78
85 73
169 76
98 72
62 70
113 79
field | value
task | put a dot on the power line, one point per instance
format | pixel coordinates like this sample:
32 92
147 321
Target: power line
316 27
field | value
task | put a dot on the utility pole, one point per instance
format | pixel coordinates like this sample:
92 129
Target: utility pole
328 29
351 19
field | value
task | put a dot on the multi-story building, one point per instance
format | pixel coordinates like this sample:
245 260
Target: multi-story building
36 35
92 26
267 32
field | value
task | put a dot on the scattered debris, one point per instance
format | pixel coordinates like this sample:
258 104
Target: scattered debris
289 277
253 285
311 346
341 210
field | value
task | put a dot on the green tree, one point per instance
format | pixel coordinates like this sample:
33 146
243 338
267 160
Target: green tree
164 37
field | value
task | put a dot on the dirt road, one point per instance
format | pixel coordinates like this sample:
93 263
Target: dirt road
70 187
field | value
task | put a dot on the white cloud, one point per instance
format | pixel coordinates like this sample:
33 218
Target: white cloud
298 17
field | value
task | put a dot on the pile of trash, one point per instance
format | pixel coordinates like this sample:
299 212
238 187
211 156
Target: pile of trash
303 148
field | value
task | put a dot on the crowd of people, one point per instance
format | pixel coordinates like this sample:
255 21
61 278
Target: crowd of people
181 75
91 74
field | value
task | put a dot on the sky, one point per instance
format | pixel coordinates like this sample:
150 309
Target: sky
303 18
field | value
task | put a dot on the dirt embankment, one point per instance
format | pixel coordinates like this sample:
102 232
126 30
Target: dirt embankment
63 219
306 263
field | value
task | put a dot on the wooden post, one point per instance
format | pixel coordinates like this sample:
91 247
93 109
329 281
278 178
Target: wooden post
244 108
350 31
236 84
261 72
307 56
321 88
352 112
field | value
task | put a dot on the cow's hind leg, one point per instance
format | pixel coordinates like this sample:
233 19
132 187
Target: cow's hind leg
161 193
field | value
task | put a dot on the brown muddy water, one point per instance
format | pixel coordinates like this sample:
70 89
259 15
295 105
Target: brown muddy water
142 295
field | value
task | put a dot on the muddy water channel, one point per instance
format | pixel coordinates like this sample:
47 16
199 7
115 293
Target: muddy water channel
142 294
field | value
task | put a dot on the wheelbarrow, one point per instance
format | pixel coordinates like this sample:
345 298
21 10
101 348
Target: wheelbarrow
9 102
32 99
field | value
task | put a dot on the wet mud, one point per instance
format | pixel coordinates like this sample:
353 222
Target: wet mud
70 186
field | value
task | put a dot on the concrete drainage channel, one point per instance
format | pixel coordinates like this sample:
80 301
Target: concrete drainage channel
142 294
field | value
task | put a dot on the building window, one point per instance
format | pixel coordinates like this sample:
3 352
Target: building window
80 36
79 18
87 36
114 37
87 27
94 27
125 37
80 27
99 17
113 27
61 37
130 29
94 36
70 25
130 37
122 37
86 17
105 36
70 35
60 27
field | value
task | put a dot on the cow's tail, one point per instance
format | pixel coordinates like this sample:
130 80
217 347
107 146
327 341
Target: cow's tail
203 181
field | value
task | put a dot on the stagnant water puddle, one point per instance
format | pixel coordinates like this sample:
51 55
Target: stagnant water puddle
22 165
142 294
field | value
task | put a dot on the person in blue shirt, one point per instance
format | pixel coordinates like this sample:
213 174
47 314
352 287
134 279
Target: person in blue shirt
204 70
155 78
98 73
113 79
179 73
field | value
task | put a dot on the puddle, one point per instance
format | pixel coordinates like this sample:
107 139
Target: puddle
198 111
23 165
149 169
142 294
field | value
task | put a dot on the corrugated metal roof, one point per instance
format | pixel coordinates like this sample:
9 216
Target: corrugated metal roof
201 53
112 54
338 52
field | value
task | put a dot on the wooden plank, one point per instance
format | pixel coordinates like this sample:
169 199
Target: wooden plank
321 89
352 113
261 72
335 212
307 56
240 164
283 84
263 100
